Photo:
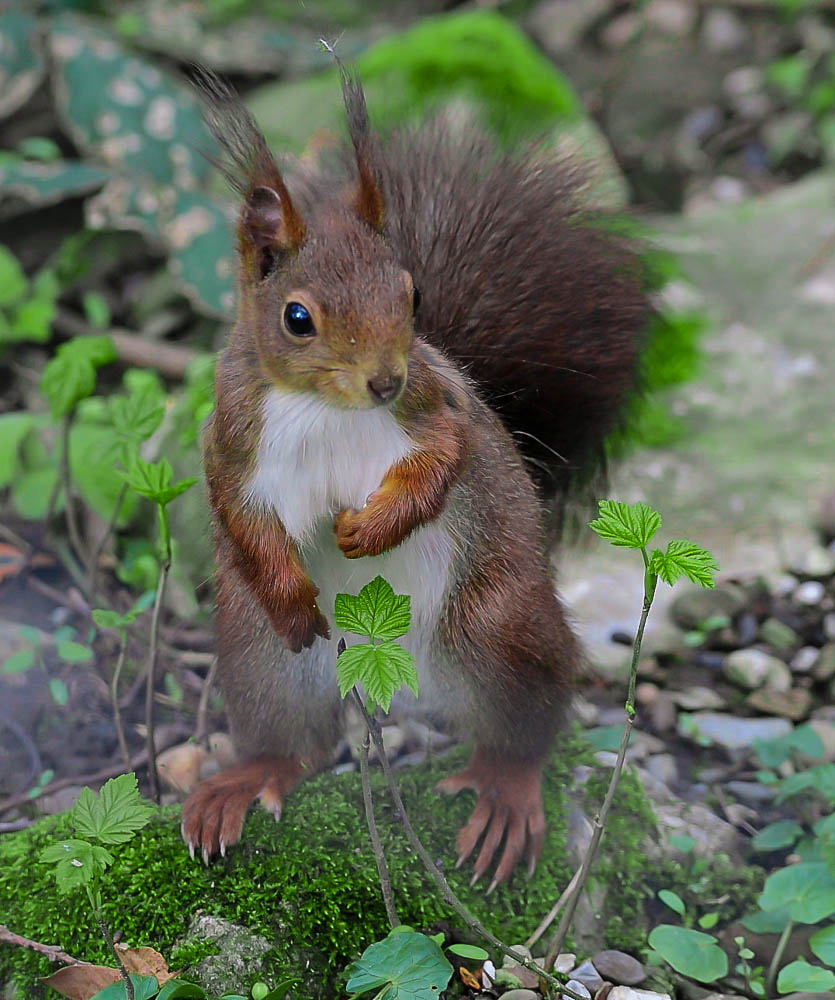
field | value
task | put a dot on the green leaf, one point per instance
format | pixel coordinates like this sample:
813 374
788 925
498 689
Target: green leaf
626 525
13 282
682 842
684 558
806 889
690 952
39 147
413 967
113 816
19 662
71 375
708 920
470 951
819 779
106 618
800 976
153 480
822 943
672 900
96 310
144 988
13 429
766 921
136 416
380 669
783 833
376 611
76 862
176 990
32 321
74 652
58 690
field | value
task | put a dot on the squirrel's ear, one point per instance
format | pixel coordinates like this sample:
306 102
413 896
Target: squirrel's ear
269 225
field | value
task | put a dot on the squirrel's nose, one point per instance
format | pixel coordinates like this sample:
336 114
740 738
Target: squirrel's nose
382 388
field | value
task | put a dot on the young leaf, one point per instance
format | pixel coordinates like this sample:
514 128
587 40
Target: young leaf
106 618
19 662
74 652
627 525
672 900
12 279
114 816
690 952
783 833
71 375
376 611
684 558
801 976
470 951
135 417
380 669
412 965
153 480
76 862
58 690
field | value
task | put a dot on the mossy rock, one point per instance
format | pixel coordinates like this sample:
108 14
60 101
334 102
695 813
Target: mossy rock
309 884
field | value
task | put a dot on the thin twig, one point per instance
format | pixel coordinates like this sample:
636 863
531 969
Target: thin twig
72 600
379 856
152 671
15 539
202 725
600 819
52 951
548 919
114 697
472 922
112 945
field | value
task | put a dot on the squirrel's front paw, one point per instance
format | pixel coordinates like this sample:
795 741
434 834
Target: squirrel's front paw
301 625
357 535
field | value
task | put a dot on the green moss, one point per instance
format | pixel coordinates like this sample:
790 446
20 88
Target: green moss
309 883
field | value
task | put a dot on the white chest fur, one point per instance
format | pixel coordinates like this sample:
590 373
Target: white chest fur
314 460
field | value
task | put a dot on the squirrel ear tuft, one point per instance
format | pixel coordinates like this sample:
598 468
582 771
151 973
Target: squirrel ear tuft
270 224
368 198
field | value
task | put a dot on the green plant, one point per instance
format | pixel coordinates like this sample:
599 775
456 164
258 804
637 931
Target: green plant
27 307
404 966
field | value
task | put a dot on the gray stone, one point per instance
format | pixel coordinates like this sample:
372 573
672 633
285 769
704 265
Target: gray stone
723 30
628 993
793 704
829 626
805 659
587 974
809 593
508 962
826 732
753 668
621 30
565 962
663 766
694 606
712 835
778 635
751 792
577 987
618 967
697 697
238 958
817 563
825 666
730 731
676 18
521 995
558 24
782 584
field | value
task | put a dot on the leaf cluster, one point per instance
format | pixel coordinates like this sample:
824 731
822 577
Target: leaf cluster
27 308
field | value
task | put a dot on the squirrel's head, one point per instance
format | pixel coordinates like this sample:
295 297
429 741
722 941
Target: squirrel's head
330 309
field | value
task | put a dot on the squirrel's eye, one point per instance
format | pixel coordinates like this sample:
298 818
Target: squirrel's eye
415 300
298 320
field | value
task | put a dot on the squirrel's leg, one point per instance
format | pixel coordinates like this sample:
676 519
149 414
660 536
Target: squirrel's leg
284 711
509 638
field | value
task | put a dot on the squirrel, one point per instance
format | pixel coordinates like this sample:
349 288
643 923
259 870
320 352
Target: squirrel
402 314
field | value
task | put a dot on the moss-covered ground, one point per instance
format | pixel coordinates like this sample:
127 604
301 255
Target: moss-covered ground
309 883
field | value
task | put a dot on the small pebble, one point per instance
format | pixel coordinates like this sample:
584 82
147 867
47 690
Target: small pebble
753 668
577 987
663 766
783 584
751 792
809 593
588 975
623 638
508 962
794 704
829 626
565 962
627 993
619 967
646 693
746 629
521 995
696 697
778 635
825 665
804 659
817 562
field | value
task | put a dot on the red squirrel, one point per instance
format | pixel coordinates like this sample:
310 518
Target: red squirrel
383 302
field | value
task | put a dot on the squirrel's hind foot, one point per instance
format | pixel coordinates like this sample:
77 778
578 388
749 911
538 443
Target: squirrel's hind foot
213 814
508 807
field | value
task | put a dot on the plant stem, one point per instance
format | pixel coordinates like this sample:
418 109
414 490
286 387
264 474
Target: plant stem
69 504
774 967
93 571
600 819
379 856
114 698
112 945
449 896
152 656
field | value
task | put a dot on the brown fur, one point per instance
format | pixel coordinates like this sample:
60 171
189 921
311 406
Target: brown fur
543 310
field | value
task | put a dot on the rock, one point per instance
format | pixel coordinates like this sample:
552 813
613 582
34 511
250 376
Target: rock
587 974
627 993
611 661
782 584
619 967
663 766
826 733
694 698
508 962
730 731
238 957
558 24
521 995
793 704
805 659
663 713
712 835
789 132
621 30
577 987
565 962
829 626
751 792
646 693
723 30
778 635
809 593
825 666
817 563
675 18
692 607
752 669
585 711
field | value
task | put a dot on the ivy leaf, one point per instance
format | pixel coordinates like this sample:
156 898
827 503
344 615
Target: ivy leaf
690 952
807 889
684 558
71 375
376 611
153 480
381 670
411 966
801 976
626 525
113 816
